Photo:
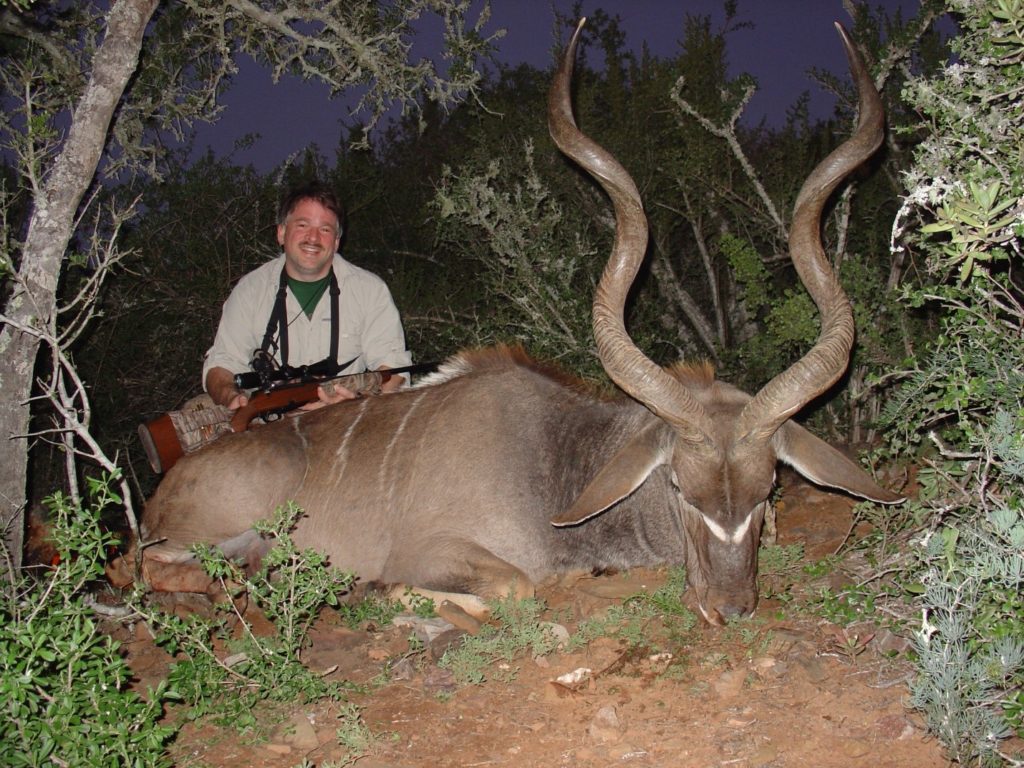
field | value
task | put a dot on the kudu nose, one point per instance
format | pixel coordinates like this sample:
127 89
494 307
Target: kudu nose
733 611
719 615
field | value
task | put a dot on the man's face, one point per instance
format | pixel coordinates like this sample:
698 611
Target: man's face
309 237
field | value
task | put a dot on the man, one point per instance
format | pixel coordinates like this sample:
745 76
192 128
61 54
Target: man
306 306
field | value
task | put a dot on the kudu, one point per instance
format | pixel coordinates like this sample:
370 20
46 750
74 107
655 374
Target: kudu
494 474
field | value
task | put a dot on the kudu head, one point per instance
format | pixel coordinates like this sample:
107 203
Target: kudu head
722 445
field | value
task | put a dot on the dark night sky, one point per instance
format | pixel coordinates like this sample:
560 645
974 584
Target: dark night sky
789 37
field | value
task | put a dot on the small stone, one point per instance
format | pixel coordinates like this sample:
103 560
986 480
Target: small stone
606 728
730 683
301 734
445 642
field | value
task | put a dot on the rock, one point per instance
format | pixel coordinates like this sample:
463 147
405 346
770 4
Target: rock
784 642
300 733
606 728
446 641
886 642
894 727
559 632
438 680
574 678
730 683
426 630
813 667
769 668
403 669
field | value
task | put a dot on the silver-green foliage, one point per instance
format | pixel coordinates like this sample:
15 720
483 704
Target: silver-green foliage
970 645
962 406
536 264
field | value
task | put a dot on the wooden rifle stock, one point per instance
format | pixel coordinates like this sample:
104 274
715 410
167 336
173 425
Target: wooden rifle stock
169 437
290 397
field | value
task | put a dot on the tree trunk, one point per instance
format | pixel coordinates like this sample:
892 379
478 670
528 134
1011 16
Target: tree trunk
32 304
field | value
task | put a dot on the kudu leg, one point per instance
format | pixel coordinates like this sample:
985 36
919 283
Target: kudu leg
462 567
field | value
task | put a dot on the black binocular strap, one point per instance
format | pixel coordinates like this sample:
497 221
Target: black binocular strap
279 320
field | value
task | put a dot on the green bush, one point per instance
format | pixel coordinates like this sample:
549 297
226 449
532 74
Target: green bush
224 669
63 682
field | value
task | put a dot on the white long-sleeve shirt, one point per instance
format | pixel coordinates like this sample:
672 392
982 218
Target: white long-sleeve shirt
370 328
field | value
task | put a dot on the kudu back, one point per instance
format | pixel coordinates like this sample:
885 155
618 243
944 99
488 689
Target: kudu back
495 473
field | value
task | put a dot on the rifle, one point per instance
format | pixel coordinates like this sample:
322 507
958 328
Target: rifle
169 437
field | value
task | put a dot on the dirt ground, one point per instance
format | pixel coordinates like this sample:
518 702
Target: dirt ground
785 689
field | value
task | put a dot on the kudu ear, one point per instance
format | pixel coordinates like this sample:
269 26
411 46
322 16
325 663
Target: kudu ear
623 474
820 463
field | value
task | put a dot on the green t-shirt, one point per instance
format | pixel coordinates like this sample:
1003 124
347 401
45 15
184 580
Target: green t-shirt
308 294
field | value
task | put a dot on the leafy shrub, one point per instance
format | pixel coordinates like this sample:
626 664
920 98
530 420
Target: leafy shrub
224 669
63 682
961 407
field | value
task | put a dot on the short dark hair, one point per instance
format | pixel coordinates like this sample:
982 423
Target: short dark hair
311 190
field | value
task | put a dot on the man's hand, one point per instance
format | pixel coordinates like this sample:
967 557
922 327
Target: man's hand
239 400
329 393
220 385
